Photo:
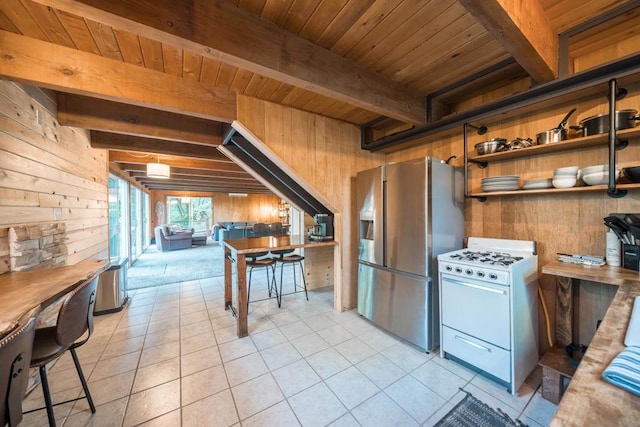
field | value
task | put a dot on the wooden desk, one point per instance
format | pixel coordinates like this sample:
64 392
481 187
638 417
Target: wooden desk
236 250
590 400
21 291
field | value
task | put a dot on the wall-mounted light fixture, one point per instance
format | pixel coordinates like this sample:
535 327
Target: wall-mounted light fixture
158 170
238 194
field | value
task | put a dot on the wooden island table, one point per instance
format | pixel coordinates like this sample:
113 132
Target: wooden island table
236 250
22 291
589 399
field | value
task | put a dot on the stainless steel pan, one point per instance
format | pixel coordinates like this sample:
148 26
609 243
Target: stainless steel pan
598 124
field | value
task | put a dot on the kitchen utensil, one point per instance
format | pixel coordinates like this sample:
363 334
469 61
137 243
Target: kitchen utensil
551 135
599 123
632 218
557 134
494 145
618 232
564 121
514 144
621 227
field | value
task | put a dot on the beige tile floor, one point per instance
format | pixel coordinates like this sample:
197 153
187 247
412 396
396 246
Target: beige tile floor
171 357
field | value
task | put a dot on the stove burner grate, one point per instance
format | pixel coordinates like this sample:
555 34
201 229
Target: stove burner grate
487 257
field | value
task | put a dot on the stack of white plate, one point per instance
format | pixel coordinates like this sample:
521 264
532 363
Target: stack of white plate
501 183
566 177
537 184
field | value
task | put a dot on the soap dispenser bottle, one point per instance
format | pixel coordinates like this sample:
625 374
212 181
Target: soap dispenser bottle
613 249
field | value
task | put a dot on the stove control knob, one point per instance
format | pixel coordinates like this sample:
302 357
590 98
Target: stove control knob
458 270
448 268
469 272
480 273
493 276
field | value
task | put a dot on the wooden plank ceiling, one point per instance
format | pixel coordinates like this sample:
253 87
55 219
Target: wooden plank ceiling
158 78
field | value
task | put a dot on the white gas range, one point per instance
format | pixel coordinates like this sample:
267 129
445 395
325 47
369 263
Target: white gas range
489 308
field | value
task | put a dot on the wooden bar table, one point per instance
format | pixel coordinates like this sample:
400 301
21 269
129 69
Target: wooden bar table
590 400
21 291
236 250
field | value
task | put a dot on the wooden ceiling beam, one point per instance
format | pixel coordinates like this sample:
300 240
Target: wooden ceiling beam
208 188
180 173
63 69
174 161
218 183
524 30
221 31
114 141
117 117
141 167
249 180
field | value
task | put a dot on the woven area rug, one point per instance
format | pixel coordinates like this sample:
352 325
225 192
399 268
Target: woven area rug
471 412
155 268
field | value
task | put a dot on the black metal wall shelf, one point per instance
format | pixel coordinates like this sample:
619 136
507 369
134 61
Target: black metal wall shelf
614 139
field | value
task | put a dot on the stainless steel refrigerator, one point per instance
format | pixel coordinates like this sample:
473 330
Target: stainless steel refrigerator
409 212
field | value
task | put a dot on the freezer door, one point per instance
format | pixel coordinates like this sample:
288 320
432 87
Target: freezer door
401 304
369 191
406 217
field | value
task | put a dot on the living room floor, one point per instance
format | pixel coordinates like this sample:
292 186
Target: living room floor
171 357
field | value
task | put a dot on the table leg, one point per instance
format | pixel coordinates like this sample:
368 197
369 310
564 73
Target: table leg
228 293
564 311
243 329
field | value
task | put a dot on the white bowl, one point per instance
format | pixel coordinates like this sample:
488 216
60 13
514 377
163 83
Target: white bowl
564 182
569 170
593 169
599 178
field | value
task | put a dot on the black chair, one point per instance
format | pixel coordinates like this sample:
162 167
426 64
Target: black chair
275 228
284 258
259 229
75 319
15 354
256 260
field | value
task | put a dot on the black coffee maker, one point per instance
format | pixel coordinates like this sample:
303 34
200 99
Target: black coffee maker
323 228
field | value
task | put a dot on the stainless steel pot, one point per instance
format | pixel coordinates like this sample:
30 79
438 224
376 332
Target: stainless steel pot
557 134
494 145
551 135
597 124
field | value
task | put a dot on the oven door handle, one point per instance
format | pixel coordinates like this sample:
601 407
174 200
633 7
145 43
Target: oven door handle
472 344
470 285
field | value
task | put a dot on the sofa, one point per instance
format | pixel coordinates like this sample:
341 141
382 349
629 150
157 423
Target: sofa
170 240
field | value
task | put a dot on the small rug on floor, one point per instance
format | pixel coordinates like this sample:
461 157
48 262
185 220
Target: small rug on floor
471 412
156 268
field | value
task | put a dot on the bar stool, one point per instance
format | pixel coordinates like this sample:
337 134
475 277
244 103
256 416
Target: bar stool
284 259
74 320
255 260
15 354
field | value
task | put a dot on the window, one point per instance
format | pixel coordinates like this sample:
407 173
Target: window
128 220
118 215
190 212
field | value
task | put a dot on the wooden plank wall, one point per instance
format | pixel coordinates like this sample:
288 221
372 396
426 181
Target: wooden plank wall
254 207
50 173
326 153
569 222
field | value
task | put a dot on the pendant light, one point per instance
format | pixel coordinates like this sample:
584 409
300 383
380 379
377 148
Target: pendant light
158 170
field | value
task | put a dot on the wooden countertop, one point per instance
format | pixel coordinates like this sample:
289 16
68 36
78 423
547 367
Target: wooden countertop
21 291
261 244
590 400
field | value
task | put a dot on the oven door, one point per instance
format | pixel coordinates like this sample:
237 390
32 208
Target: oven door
476 308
